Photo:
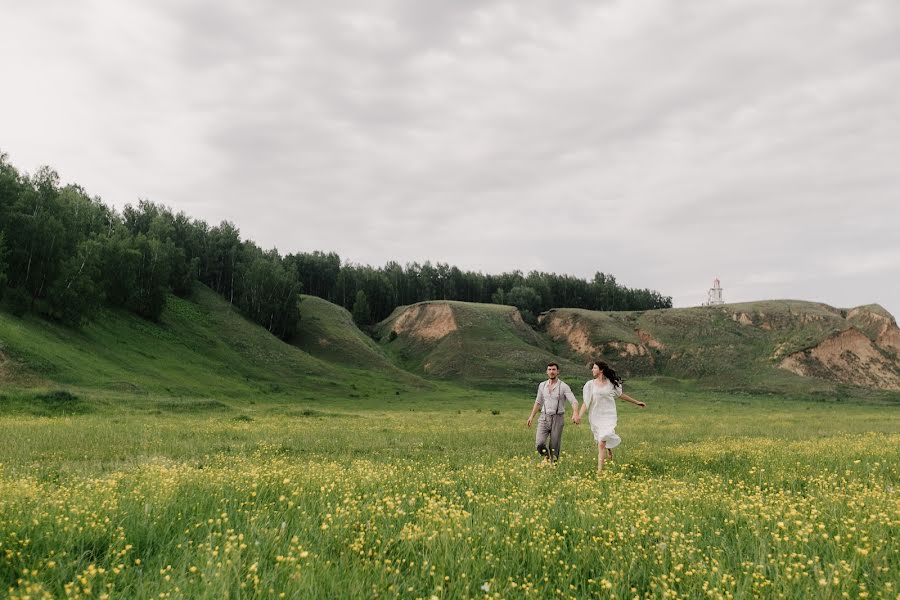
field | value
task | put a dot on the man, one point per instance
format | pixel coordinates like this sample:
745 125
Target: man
551 396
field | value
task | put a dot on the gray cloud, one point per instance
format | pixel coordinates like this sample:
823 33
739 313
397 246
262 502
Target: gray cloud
666 143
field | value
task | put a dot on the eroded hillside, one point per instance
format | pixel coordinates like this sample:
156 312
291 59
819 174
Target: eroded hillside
486 344
760 341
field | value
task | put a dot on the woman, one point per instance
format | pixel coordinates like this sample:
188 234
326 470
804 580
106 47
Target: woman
600 395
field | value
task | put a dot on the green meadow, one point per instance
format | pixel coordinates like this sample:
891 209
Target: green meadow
201 457
439 494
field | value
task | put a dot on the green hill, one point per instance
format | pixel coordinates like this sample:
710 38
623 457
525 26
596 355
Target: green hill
327 331
777 344
483 344
201 346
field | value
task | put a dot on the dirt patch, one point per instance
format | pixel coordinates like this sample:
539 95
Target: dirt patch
575 334
426 322
648 340
882 323
766 323
848 357
742 318
626 349
780 350
880 327
889 340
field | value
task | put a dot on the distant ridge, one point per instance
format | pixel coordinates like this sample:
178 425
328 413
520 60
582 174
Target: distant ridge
755 343
484 344
204 346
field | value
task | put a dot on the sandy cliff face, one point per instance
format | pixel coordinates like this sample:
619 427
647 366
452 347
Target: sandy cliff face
889 340
649 341
859 346
848 357
864 351
867 353
879 325
426 322
575 333
742 342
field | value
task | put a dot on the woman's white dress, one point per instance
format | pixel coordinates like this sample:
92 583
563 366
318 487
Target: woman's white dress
601 411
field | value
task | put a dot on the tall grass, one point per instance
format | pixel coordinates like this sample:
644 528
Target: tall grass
710 495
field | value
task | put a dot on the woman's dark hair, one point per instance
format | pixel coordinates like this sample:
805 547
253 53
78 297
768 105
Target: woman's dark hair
608 372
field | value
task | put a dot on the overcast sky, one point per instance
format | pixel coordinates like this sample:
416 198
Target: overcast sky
663 142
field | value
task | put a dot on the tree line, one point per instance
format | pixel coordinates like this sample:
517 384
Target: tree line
383 289
65 255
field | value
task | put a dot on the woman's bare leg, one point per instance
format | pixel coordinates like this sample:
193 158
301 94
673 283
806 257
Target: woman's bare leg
601 455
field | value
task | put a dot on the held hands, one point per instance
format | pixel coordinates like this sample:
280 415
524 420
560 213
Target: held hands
576 418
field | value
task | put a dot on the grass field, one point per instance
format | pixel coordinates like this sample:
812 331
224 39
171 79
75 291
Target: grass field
437 494
202 457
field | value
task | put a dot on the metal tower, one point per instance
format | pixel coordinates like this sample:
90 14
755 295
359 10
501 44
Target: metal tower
714 296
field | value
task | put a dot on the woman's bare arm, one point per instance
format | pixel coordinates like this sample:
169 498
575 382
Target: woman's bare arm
628 398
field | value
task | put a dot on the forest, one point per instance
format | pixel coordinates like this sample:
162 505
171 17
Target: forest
66 255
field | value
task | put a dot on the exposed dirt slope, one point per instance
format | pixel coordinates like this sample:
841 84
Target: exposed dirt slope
427 321
848 357
751 343
486 344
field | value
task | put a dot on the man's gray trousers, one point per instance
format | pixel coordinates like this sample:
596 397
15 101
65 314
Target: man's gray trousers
552 426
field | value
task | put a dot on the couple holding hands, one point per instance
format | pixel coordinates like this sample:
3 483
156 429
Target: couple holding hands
599 401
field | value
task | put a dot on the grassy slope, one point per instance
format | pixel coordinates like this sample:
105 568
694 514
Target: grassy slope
712 343
327 331
490 348
202 346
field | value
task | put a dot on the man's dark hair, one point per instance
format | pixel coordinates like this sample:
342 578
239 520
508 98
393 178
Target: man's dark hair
553 364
